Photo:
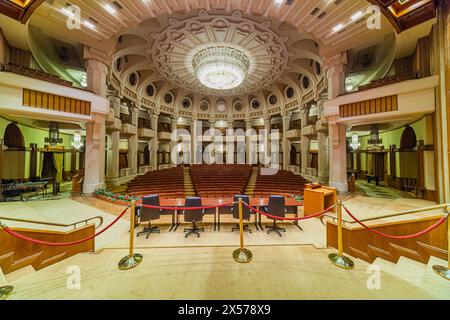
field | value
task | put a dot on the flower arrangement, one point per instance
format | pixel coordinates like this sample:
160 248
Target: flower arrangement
116 196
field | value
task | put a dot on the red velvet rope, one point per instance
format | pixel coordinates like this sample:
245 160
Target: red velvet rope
63 244
185 208
289 219
404 237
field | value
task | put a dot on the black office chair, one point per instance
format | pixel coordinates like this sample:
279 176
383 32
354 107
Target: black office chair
276 207
149 214
193 216
245 212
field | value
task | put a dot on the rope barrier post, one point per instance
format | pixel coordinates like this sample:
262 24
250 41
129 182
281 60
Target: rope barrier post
6 292
133 259
242 255
338 259
443 271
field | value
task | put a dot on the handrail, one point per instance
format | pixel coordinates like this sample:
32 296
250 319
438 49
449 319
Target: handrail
85 221
418 210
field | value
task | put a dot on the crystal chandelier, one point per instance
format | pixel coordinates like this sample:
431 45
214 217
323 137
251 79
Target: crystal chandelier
221 68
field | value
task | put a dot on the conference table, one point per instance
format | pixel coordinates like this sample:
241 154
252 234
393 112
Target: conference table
257 203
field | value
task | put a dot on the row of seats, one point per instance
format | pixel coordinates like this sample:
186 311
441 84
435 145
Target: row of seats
220 180
168 183
283 183
276 207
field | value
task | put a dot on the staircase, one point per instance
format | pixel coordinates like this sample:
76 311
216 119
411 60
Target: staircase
189 190
252 182
419 274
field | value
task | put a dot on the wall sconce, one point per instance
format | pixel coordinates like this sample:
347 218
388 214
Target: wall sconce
355 144
77 143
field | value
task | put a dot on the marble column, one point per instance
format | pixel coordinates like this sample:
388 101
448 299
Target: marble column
338 155
337 131
285 143
322 141
173 128
267 155
133 143
95 154
97 72
196 155
248 142
154 143
112 170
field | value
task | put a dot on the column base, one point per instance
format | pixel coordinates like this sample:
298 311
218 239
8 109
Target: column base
89 188
342 187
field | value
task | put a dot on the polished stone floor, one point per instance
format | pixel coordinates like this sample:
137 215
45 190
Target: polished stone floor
276 272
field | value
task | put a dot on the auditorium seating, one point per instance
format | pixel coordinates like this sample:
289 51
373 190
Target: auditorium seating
212 181
167 183
284 183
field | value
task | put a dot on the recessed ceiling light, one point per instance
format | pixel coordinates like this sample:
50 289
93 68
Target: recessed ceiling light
110 8
338 27
357 15
89 24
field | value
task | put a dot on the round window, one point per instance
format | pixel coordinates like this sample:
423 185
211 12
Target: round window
204 105
133 79
221 106
305 82
290 93
168 98
273 99
318 68
256 104
186 103
119 64
150 90
238 106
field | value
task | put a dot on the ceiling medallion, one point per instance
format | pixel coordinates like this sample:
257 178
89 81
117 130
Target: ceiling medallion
218 54
221 68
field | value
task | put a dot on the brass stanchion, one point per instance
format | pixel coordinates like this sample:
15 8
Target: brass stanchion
443 271
242 255
339 259
6 292
133 259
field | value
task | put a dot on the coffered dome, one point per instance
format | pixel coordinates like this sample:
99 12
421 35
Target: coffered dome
238 60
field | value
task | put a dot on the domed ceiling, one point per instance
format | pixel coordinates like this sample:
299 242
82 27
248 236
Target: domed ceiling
276 61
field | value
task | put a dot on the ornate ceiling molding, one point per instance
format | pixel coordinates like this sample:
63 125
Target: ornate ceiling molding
175 48
20 10
406 15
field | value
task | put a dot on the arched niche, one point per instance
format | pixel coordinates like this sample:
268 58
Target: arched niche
13 164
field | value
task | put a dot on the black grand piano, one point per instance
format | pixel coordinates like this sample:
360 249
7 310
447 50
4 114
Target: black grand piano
14 188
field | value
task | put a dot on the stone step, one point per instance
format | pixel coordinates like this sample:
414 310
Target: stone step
3 281
385 266
433 283
410 270
25 272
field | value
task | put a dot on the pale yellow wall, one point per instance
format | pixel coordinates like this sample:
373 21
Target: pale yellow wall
30 135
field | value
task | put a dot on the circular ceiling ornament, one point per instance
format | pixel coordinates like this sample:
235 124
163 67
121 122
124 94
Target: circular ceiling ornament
249 53
221 106
221 68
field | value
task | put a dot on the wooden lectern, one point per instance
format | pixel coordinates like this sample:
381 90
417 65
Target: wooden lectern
319 199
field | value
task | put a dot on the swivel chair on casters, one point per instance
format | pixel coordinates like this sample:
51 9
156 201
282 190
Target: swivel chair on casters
193 216
149 214
245 212
277 207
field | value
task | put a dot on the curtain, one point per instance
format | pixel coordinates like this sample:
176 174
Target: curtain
58 162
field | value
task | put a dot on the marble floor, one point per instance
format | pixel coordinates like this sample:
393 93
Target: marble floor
276 272
295 266
64 211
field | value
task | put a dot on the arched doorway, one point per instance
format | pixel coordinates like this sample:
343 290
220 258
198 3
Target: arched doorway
13 164
408 161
